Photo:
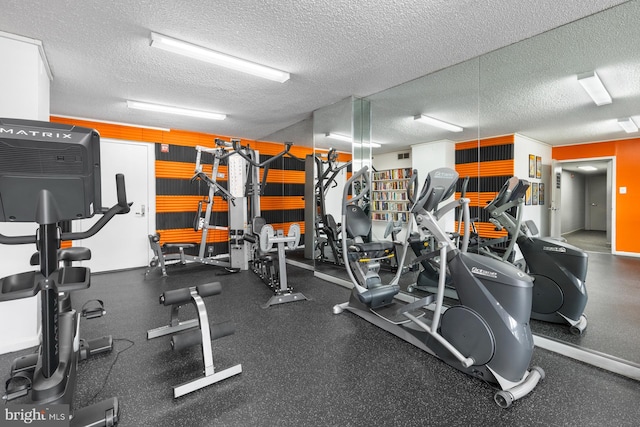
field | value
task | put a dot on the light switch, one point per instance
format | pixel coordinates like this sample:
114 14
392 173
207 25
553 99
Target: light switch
623 190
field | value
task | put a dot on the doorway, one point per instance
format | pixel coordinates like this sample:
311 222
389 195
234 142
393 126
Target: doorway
586 205
123 243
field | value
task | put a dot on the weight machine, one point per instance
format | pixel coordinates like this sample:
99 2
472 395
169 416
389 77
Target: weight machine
260 236
327 230
236 258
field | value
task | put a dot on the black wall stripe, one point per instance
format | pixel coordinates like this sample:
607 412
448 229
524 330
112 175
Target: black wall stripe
485 154
172 220
483 184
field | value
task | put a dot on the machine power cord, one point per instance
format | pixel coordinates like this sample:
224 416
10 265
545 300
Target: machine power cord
104 382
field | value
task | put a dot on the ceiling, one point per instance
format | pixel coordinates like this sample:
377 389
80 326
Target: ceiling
100 56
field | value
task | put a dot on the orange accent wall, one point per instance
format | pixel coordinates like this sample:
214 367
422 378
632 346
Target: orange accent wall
486 142
627 155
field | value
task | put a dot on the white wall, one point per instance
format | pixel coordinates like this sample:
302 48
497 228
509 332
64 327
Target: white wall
573 201
433 155
523 147
24 85
391 161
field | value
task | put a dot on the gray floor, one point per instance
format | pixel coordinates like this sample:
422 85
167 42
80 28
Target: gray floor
304 366
589 240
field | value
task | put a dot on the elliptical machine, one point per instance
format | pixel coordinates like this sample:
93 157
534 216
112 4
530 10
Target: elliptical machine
486 335
559 269
52 174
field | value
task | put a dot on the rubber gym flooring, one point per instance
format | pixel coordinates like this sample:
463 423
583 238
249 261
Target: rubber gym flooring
304 366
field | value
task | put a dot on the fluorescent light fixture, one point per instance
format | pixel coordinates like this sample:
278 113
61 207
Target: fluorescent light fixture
628 125
594 87
438 123
346 138
175 110
588 168
203 54
85 119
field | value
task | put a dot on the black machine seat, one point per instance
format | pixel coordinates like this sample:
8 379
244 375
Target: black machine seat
358 227
67 255
178 246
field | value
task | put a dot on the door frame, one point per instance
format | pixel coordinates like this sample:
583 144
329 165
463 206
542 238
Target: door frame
151 189
555 209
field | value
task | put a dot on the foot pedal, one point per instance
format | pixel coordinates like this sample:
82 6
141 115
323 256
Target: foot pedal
17 386
95 346
24 364
95 309
105 413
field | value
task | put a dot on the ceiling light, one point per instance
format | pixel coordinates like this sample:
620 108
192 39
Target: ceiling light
203 54
628 125
345 138
594 87
175 110
438 123
588 168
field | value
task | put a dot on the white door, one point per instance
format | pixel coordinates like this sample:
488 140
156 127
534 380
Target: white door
555 219
123 242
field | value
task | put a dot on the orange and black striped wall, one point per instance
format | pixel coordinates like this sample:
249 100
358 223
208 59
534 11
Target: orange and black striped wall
177 196
488 163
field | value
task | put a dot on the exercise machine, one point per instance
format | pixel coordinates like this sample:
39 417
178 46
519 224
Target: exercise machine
486 334
261 237
189 333
166 253
274 275
559 269
328 232
50 173
92 309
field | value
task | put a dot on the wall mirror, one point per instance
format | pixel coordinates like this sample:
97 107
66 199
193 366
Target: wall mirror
532 88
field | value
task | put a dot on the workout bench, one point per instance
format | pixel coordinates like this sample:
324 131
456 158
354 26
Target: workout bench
195 331
174 251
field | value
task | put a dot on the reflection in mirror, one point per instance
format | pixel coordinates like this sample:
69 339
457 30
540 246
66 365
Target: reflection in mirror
532 92
422 125
333 136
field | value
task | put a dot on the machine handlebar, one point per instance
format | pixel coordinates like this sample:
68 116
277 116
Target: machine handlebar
121 207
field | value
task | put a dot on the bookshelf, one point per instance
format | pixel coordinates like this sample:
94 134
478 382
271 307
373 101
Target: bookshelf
389 195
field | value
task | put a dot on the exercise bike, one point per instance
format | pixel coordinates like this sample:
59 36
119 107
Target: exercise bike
54 176
559 269
485 335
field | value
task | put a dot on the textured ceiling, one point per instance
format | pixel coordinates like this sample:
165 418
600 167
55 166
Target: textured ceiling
100 56
529 88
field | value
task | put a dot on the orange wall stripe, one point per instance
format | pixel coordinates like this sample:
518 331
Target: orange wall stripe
487 142
165 204
284 176
495 168
486 229
182 170
277 203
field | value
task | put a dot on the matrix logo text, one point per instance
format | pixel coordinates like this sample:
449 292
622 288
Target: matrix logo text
34 133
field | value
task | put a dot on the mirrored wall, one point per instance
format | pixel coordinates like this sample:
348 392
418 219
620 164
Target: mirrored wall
505 108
